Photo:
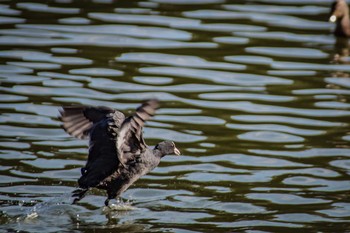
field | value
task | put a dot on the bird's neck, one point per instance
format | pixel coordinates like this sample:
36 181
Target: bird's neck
157 153
343 25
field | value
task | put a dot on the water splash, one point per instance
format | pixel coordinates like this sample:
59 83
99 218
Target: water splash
120 205
44 207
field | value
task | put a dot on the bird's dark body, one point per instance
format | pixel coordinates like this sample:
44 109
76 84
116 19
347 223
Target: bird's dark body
118 154
120 180
102 159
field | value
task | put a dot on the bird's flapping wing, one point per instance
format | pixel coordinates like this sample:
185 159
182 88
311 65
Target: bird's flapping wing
78 120
130 142
101 125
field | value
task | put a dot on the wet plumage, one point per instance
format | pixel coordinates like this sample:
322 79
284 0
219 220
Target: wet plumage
118 153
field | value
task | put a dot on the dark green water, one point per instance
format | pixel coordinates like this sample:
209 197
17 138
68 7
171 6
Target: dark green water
254 93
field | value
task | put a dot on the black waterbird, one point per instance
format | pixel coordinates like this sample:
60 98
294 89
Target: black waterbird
340 16
118 155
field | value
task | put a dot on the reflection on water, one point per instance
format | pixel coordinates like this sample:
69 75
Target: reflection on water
255 93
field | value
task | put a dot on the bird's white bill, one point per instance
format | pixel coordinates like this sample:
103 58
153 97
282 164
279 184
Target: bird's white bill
177 152
333 18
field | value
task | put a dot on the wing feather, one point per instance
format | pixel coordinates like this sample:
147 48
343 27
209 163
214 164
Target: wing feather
78 120
130 142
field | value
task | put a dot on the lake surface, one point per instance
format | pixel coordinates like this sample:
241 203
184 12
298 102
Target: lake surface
254 93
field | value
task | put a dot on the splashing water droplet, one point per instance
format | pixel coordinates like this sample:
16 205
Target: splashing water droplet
120 205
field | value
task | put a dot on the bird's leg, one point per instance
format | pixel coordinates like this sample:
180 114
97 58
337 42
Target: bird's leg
107 202
111 195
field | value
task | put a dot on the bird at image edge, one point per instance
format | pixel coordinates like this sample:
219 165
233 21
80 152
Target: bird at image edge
118 154
340 16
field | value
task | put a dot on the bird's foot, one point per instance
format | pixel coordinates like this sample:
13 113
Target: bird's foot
79 194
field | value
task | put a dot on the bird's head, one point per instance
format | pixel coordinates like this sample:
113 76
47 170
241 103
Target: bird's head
167 148
338 10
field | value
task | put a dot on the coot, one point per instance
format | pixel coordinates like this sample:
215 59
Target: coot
340 16
118 154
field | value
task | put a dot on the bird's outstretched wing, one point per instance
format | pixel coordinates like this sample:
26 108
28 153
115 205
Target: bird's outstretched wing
101 125
78 120
130 142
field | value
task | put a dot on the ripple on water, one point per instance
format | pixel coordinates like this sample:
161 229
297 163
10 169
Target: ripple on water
176 60
153 80
338 210
11 69
264 176
287 36
125 30
44 57
286 199
239 208
5 180
227 78
254 161
97 72
231 40
288 52
112 85
303 218
14 145
307 153
287 120
15 155
74 20
39 7
12 98
52 163
309 66
61 83
36 189
26 119
248 59
222 27
298 73
101 40
246 96
332 105
36 65
31 133
340 81
275 127
11 20
279 9
270 137
173 217
318 184
166 134
158 20
258 223
205 120
65 76
189 2
154 194
341 163
21 78
247 106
